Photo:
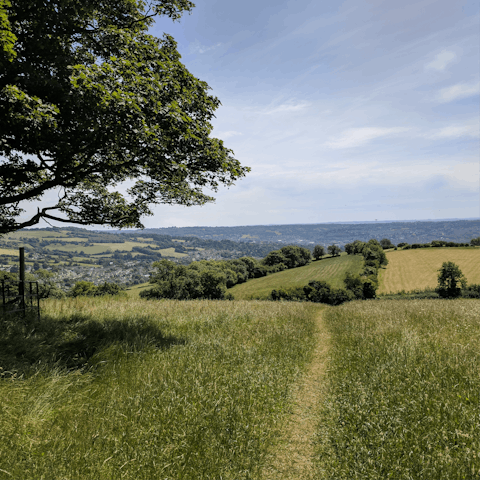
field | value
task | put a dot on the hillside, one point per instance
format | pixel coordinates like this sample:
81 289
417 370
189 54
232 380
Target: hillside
418 269
331 269
459 231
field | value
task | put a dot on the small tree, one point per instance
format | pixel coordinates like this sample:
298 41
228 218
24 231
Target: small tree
334 250
318 251
386 243
475 242
450 280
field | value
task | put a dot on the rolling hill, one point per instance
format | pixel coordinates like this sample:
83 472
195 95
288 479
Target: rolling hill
331 269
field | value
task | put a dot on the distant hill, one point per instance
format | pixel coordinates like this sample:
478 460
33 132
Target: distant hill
418 269
459 231
330 269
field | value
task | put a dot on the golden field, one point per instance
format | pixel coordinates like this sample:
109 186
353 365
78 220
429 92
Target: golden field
418 268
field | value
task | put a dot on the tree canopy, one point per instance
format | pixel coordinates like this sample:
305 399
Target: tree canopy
89 100
450 280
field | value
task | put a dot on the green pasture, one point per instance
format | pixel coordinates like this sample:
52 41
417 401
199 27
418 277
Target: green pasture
98 247
330 269
170 252
136 289
107 388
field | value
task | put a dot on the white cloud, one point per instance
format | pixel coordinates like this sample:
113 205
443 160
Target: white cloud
228 134
355 137
441 61
456 131
460 90
285 108
197 47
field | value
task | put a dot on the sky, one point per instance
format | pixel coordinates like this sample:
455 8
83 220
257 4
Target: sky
358 110
355 110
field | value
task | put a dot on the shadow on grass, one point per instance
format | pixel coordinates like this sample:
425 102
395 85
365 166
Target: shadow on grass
29 344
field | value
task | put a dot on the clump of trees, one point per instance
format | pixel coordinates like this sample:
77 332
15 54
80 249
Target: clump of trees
290 256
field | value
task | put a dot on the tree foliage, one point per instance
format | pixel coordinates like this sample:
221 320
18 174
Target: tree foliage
90 101
355 247
334 250
450 280
291 256
318 252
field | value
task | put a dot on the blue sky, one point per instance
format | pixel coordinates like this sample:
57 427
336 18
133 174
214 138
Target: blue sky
353 110
345 111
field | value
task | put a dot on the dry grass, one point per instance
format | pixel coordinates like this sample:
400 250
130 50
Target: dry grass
418 269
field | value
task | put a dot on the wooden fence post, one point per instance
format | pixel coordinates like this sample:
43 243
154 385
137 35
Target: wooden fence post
21 285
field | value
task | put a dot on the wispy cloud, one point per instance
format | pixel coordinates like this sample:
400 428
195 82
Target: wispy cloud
355 137
460 90
444 58
285 108
456 131
197 47
228 134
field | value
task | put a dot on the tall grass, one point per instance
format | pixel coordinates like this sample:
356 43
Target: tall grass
404 392
123 389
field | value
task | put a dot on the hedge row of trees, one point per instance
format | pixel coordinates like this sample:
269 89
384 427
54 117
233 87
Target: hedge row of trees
439 243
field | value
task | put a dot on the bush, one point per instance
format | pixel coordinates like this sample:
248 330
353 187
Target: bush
322 292
291 294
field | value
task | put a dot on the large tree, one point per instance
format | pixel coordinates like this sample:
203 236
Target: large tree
90 101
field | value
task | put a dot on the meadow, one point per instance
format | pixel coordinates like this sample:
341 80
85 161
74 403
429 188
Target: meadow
111 388
403 392
330 269
417 269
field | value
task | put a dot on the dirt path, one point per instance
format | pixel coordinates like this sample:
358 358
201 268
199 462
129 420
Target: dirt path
293 457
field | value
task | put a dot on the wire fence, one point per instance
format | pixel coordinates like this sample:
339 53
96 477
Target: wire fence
19 298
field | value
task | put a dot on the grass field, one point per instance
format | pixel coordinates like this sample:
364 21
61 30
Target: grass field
106 388
418 269
136 289
98 247
330 269
8 251
404 392
170 252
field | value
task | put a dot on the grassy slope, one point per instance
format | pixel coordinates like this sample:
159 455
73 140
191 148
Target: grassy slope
418 269
404 392
329 269
136 289
174 390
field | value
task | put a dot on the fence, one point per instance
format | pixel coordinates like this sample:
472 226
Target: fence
20 298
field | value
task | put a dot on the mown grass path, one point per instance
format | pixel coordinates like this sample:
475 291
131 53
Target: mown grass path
292 457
